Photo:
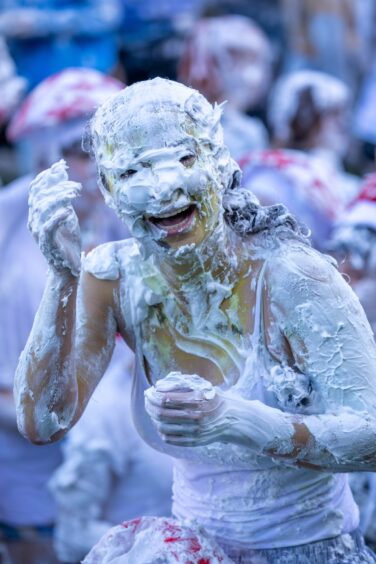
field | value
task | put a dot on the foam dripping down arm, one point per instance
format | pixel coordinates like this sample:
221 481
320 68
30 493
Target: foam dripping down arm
333 356
184 415
326 384
73 333
67 352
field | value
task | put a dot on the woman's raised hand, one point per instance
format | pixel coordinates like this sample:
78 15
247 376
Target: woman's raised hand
52 219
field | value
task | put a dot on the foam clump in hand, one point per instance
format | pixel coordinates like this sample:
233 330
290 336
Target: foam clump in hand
179 382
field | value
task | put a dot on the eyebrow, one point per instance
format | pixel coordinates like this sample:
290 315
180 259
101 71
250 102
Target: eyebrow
138 158
143 158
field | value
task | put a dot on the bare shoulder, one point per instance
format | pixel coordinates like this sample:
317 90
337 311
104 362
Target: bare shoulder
294 265
304 288
108 261
111 272
298 276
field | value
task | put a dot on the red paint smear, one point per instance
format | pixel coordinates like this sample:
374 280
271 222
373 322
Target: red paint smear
368 190
194 546
274 157
204 561
133 524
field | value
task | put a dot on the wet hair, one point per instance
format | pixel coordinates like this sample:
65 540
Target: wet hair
246 216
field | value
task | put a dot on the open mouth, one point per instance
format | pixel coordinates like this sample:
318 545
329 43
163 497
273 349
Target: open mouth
175 222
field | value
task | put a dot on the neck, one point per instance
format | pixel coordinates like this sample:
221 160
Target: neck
203 268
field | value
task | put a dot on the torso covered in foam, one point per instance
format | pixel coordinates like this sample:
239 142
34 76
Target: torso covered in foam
298 301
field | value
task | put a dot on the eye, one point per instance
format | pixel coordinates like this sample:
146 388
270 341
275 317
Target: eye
188 160
127 173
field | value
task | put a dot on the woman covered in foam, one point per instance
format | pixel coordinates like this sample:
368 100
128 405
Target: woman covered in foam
256 366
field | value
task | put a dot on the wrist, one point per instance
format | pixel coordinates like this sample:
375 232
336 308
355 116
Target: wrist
65 269
262 428
61 278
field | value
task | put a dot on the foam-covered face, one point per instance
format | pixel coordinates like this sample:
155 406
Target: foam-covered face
247 75
168 190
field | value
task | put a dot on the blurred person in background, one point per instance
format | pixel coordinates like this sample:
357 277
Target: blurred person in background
12 88
151 35
229 59
109 473
267 15
310 111
46 36
364 113
297 181
323 35
52 118
354 244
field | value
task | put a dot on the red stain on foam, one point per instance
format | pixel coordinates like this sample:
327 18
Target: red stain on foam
133 524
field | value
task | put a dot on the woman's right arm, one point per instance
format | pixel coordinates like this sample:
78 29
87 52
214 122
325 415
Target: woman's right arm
73 334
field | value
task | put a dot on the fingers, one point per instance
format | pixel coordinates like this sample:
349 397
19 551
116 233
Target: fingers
182 421
49 227
172 415
193 440
62 192
207 413
52 188
180 400
50 177
52 219
174 400
189 429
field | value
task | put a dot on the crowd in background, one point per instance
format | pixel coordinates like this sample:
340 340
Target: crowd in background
295 81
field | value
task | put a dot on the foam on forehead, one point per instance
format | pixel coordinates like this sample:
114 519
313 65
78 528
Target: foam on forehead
157 111
232 31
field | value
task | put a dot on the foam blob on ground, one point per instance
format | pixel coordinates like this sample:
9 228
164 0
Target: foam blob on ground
153 540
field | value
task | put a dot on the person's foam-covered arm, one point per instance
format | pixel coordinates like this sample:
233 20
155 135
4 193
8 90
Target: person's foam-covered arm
68 350
73 334
332 345
326 383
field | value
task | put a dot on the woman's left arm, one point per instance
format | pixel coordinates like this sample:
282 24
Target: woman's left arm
332 345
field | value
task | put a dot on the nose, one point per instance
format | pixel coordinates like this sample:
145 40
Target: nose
155 184
166 181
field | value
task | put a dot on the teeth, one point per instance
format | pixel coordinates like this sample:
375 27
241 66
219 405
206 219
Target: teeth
171 213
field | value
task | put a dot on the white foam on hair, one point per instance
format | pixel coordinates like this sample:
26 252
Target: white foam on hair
328 93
